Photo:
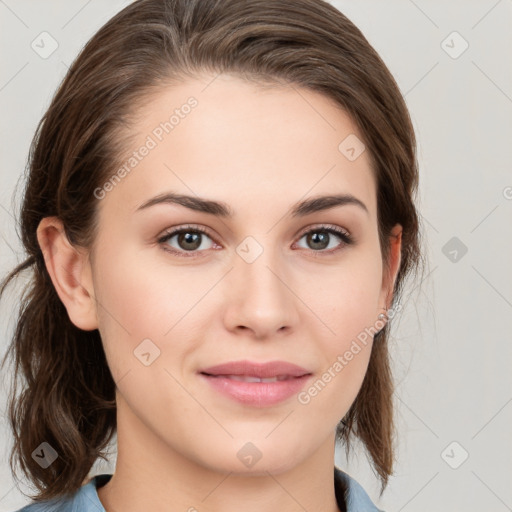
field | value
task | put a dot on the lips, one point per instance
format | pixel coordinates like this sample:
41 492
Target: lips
256 384
276 370
252 378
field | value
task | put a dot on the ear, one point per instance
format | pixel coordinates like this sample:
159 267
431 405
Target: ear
70 272
390 272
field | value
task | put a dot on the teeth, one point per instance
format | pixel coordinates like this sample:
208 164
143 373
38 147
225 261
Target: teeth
250 378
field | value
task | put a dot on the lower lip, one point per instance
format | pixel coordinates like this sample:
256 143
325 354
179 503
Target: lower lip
257 394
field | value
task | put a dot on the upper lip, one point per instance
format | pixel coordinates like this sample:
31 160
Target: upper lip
261 370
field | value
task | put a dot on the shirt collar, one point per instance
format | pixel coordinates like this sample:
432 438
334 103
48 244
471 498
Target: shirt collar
356 497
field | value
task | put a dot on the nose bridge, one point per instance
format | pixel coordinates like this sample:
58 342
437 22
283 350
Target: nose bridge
259 269
260 299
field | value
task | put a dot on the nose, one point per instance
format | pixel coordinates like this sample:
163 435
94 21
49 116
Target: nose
260 297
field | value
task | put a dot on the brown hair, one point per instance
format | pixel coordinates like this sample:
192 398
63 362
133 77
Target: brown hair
68 398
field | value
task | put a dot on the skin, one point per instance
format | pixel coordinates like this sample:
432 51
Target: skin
260 150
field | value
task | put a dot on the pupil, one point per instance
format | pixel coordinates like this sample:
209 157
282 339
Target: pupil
189 238
320 237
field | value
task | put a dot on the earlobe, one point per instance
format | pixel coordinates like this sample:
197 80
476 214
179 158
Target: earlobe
69 269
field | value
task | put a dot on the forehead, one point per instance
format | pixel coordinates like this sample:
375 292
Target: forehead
246 144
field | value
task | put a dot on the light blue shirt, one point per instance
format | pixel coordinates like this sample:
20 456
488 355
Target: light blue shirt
86 498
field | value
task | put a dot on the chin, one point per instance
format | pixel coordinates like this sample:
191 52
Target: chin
255 458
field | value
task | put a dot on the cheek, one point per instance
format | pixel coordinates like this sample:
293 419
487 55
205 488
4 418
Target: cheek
138 299
348 306
136 292
128 296
345 362
347 298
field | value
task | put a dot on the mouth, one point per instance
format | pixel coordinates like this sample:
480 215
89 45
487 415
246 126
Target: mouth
256 384
253 378
277 370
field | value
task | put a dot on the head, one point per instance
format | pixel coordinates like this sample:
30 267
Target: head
240 104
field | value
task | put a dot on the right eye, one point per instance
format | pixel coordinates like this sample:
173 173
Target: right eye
188 239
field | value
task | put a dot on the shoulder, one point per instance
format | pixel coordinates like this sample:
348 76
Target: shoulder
84 499
356 497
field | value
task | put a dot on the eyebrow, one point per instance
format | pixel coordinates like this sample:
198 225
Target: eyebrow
221 209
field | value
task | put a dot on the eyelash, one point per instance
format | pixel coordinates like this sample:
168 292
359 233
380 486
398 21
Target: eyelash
346 238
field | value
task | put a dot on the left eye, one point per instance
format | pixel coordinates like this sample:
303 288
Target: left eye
190 240
321 238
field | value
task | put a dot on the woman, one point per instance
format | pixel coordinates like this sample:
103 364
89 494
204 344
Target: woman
228 346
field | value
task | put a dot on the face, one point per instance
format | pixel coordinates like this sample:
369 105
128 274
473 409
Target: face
179 290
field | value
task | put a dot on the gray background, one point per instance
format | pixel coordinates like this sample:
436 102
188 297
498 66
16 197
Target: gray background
452 342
